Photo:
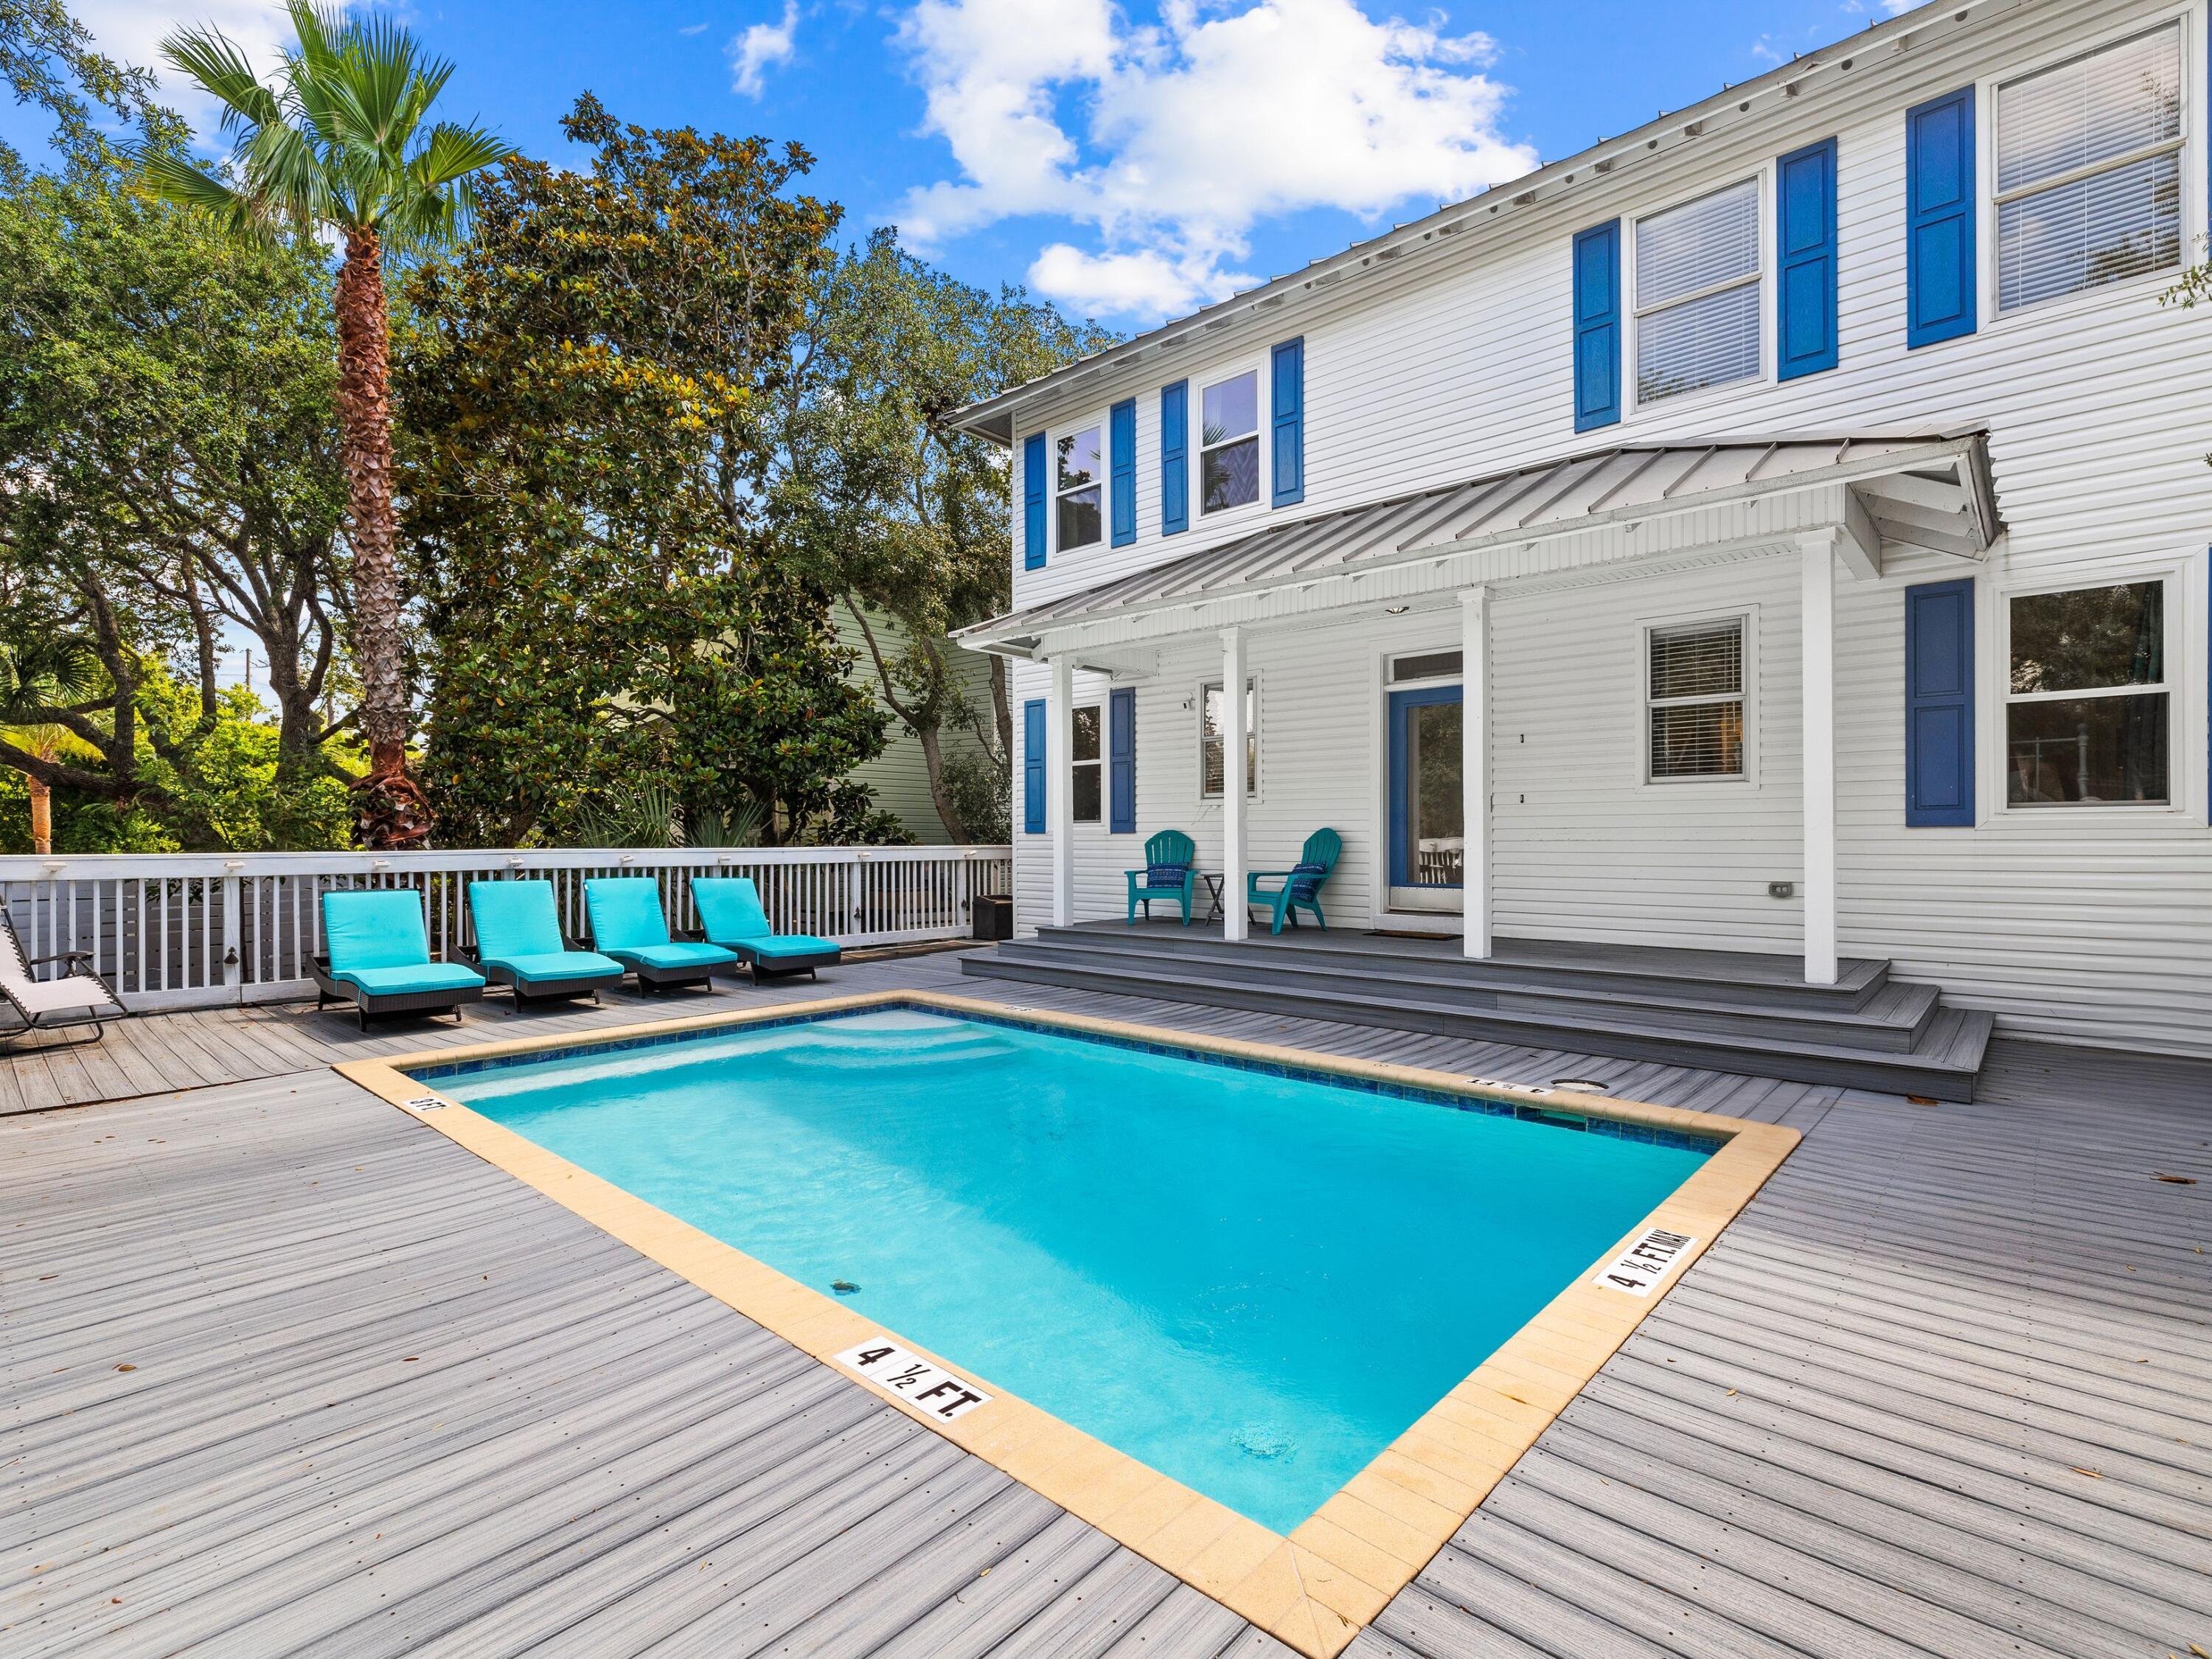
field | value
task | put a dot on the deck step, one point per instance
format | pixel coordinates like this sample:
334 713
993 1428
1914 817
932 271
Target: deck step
1724 977
1894 1019
1944 1050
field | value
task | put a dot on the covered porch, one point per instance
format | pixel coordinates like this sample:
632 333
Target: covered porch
1589 706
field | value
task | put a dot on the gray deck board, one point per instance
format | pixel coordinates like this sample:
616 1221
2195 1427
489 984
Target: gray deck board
1944 1388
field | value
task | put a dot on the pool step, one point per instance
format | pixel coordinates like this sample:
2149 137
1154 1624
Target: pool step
1872 1033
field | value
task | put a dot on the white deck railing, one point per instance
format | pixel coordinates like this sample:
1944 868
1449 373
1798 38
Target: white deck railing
185 930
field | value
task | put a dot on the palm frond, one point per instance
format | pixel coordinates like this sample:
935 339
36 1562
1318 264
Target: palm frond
220 68
317 28
177 181
455 151
284 173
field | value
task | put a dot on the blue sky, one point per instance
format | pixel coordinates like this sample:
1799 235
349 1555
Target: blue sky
1127 162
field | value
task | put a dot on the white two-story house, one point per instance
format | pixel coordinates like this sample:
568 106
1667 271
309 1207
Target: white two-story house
1782 528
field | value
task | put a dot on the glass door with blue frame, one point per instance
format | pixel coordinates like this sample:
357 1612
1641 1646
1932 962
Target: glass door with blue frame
1428 804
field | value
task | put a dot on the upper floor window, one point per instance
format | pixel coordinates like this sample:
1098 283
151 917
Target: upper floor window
1078 468
2086 709
2089 170
1229 443
1697 307
1694 699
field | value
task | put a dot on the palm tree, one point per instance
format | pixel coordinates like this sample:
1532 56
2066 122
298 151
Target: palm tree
37 678
337 144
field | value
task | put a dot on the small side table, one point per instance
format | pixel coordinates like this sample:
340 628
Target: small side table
1212 879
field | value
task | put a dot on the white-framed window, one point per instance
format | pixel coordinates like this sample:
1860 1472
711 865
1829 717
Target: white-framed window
1229 441
1087 755
1695 725
2087 709
1698 275
1211 717
2088 176
1078 486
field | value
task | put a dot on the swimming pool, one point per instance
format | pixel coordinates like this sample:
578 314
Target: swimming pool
1251 1277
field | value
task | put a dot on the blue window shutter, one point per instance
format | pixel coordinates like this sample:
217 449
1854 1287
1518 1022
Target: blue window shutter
1806 237
1939 704
1033 766
1033 501
1121 760
1175 457
1597 326
1121 470
1289 405
1940 275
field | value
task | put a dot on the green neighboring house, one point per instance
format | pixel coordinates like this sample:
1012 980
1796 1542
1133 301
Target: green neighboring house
900 776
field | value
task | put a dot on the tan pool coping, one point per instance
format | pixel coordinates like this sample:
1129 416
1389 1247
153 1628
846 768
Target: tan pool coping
1314 1589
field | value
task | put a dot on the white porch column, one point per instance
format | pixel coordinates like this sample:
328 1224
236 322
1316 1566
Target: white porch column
1060 787
1235 741
1818 625
1475 767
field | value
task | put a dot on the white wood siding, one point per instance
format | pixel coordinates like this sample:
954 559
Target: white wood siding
2095 925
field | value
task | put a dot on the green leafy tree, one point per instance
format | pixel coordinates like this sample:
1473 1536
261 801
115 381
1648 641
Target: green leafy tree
902 516
585 389
169 444
340 142
47 58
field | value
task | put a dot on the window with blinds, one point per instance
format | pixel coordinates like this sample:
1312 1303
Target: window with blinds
2089 170
1693 700
1698 310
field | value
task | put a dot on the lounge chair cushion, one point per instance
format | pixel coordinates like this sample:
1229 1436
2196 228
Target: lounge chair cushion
1304 879
678 955
55 996
543 965
625 912
411 979
380 929
729 908
1170 876
516 918
779 945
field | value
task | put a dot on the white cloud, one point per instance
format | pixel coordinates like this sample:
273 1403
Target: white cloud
1143 283
1171 141
133 31
693 28
763 44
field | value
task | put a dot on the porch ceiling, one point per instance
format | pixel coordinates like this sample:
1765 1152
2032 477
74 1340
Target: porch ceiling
1931 492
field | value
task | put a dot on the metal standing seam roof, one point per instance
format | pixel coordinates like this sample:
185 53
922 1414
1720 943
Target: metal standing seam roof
1627 482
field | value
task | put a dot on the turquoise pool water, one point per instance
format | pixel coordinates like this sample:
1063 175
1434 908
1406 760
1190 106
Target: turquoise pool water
1251 1282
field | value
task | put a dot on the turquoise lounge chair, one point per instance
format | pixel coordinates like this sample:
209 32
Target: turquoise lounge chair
1299 887
730 915
377 957
1171 875
518 944
628 924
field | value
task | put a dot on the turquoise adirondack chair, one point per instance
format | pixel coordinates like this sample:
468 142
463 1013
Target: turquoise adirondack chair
1299 887
1171 874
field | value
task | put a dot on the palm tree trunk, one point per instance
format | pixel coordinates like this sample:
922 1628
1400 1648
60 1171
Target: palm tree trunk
390 810
42 816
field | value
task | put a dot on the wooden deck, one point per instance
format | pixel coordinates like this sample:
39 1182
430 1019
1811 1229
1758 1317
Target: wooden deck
285 1374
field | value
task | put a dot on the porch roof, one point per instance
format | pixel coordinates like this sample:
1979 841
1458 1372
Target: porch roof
1919 490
